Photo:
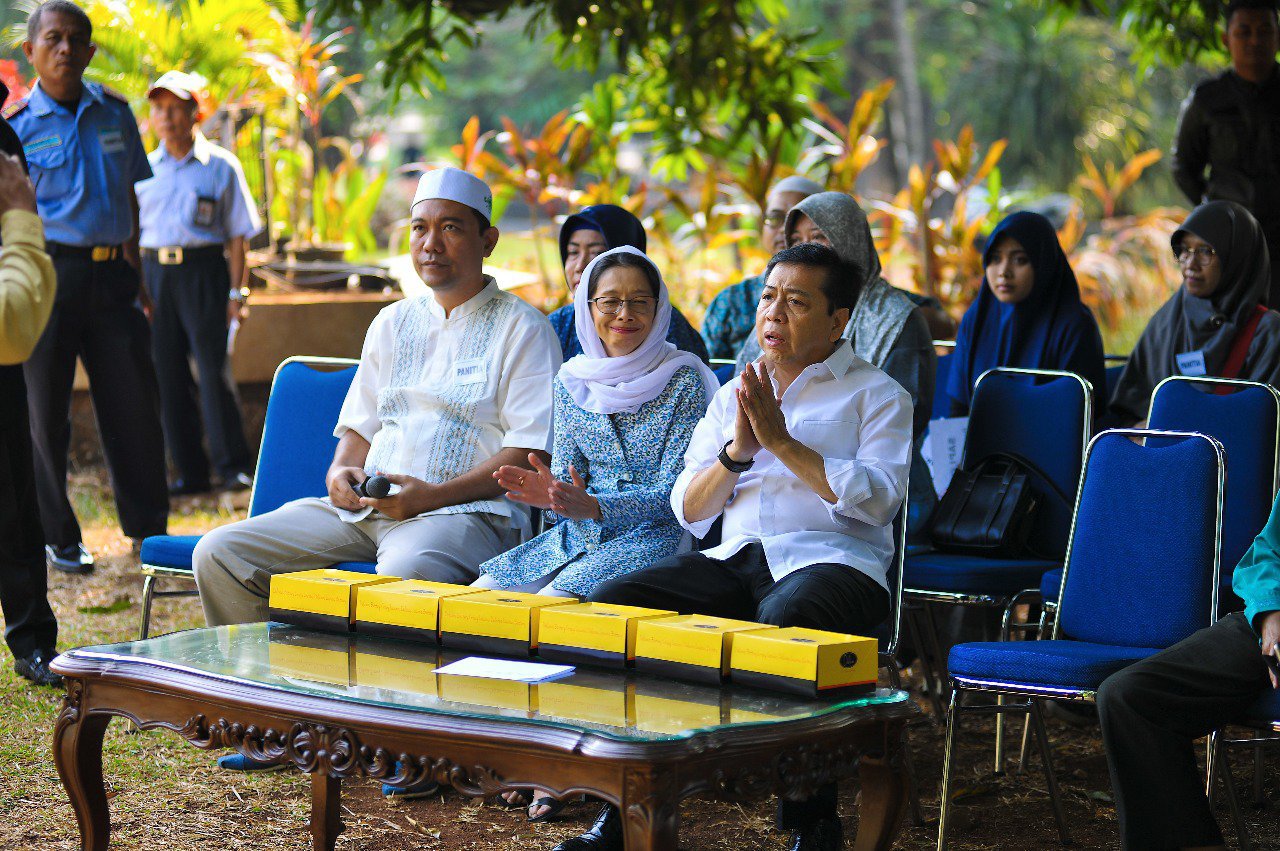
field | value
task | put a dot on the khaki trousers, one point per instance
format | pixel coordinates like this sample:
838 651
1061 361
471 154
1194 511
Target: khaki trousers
234 563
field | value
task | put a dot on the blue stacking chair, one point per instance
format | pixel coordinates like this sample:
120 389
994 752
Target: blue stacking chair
1141 574
1247 422
1046 417
725 370
1114 367
297 449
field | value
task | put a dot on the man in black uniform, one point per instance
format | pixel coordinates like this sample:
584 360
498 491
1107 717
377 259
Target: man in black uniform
85 155
26 297
1230 125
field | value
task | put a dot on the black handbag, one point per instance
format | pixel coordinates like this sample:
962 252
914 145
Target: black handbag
987 511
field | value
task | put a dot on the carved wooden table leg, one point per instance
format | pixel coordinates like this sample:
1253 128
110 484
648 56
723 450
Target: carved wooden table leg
326 811
77 752
884 795
650 809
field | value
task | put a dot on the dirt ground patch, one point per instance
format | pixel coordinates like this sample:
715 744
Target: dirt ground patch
169 795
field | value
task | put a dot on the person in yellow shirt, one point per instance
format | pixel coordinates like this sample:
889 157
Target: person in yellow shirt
27 287
27 281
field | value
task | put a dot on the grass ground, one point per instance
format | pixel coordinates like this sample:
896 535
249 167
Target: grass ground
169 796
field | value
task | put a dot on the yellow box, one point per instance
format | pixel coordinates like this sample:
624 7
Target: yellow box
302 654
592 633
406 609
594 697
319 599
481 691
666 707
394 665
495 621
808 662
690 647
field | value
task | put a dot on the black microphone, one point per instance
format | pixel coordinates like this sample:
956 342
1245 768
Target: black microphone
374 487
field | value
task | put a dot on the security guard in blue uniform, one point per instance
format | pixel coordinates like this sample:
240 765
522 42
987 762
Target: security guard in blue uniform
85 155
195 217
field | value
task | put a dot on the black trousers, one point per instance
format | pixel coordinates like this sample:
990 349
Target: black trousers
96 318
29 624
823 596
1151 713
190 321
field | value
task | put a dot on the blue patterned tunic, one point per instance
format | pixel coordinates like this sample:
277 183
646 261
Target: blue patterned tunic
731 318
630 462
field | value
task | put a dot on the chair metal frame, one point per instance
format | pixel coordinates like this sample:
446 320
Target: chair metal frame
1033 695
924 626
1218 747
1033 596
1048 608
153 573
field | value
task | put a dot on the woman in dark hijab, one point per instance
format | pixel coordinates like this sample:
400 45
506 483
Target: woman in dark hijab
1028 314
589 233
1219 307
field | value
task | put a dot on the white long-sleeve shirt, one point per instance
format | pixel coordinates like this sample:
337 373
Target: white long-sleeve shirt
859 420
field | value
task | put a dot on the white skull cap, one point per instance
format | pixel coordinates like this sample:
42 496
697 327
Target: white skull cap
454 184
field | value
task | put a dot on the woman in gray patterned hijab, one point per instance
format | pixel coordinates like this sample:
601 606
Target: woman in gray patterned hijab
887 329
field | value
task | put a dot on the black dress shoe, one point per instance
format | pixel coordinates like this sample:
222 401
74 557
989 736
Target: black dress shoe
36 668
604 835
70 559
182 487
823 835
237 482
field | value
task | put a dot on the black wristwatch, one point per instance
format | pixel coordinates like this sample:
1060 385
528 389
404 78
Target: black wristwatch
731 465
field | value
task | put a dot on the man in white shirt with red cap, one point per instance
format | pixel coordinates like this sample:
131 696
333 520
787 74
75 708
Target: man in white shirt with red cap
450 387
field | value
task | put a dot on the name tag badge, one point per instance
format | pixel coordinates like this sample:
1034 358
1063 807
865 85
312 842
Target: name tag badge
470 371
1191 363
112 141
205 208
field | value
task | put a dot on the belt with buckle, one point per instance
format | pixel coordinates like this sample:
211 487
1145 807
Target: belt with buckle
176 255
96 253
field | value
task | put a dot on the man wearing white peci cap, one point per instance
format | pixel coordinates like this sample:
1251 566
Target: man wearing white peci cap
451 386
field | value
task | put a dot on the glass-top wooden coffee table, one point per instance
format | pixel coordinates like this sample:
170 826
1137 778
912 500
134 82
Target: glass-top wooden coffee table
353 706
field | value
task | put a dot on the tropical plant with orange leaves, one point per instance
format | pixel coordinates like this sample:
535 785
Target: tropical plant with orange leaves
935 240
692 235
1124 267
846 148
1110 183
605 113
304 69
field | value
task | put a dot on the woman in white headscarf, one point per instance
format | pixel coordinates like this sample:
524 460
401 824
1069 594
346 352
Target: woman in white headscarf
625 410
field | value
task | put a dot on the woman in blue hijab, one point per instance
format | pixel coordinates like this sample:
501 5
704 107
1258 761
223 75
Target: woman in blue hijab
1028 314
584 236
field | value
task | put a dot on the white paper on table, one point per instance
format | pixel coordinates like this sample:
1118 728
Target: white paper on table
505 669
943 447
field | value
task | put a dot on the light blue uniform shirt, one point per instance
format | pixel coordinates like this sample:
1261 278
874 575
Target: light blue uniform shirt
84 165
201 199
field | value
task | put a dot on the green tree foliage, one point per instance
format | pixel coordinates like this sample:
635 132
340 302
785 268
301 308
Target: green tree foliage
1166 31
697 66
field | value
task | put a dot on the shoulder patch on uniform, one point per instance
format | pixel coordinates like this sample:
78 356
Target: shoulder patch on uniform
112 93
14 108
41 144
